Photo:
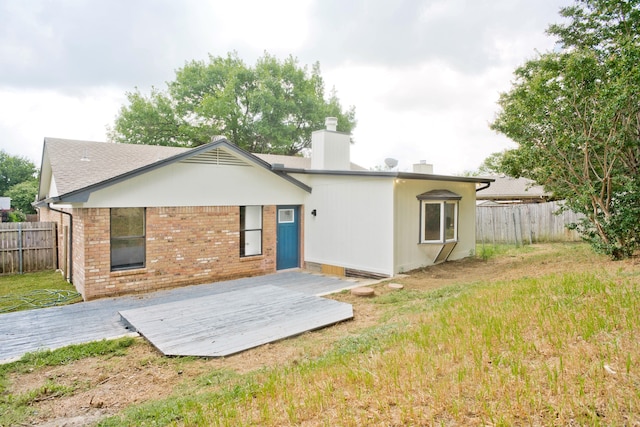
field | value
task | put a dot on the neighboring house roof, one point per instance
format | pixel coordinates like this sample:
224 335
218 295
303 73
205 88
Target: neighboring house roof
508 188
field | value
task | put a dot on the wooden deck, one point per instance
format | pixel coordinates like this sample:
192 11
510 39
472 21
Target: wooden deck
55 327
228 323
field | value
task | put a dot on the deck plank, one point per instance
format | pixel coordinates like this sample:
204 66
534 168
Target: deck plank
225 324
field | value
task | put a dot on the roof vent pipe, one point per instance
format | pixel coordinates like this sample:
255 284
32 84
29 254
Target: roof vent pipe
331 123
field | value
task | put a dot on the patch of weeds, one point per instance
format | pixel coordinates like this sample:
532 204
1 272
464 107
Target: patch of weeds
63 356
487 252
415 301
159 413
189 410
372 339
217 377
105 348
49 390
14 409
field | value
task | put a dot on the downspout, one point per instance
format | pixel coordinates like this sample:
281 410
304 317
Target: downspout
70 278
488 184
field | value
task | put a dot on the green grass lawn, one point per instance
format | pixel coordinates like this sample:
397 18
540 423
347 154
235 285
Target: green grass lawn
35 290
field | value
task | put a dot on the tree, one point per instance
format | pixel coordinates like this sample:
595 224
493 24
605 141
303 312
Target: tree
14 170
575 115
492 165
22 195
270 108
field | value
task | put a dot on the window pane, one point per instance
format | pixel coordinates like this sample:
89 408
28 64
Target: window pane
432 221
127 253
285 216
250 217
127 238
450 221
251 243
127 222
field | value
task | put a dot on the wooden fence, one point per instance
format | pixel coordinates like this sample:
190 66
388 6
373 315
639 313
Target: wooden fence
27 247
525 224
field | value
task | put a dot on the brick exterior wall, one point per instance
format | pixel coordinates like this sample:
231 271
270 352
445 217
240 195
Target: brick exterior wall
184 246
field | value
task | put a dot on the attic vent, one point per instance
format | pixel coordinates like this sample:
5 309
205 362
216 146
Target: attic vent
216 157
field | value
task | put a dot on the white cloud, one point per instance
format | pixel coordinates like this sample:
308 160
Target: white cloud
424 75
276 26
28 116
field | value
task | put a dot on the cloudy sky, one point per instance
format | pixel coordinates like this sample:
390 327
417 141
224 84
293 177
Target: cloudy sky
424 75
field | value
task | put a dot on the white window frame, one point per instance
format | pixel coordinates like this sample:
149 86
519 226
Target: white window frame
443 226
251 231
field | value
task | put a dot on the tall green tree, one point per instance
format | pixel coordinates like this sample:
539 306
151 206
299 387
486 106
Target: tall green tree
575 115
14 170
23 195
271 107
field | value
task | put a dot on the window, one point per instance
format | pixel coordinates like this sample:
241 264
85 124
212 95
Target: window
286 216
438 216
127 238
250 230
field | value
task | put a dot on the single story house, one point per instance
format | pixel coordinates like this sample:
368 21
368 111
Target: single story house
509 190
135 218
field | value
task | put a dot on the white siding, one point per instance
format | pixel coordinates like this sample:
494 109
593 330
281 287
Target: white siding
330 150
410 254
53 190
193 184
353 225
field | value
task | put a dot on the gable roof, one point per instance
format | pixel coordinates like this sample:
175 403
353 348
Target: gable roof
79 164
80 167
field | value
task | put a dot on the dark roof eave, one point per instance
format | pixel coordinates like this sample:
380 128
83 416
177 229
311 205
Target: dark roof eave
45 202
382 174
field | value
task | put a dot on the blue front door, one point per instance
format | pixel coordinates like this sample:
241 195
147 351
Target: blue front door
288 247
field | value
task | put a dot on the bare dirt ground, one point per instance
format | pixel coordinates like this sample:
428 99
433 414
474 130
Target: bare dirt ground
106 386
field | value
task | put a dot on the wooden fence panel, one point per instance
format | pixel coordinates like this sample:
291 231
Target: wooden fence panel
27 247
525 223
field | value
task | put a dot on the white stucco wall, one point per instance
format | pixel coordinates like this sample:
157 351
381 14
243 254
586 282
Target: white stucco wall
409 253
192 184
352 227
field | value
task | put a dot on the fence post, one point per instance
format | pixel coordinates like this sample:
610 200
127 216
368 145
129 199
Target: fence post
515 229
20 258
